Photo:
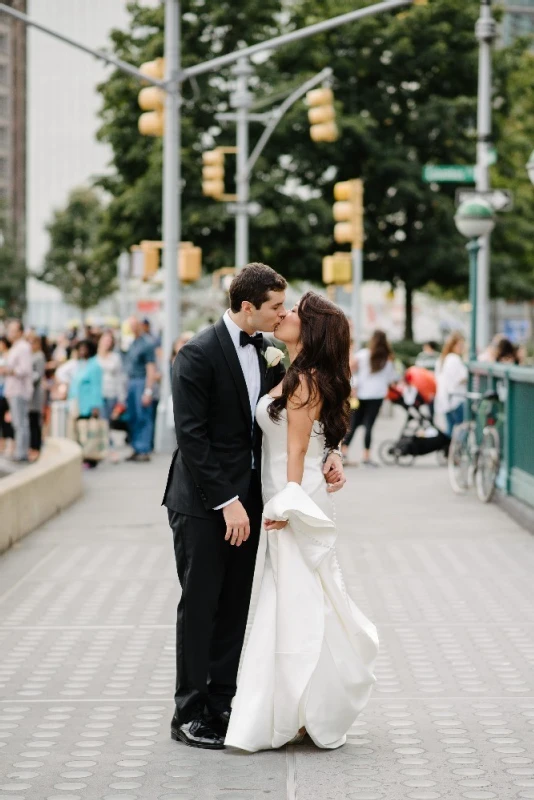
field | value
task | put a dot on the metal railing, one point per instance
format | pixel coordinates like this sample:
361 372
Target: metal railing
515 387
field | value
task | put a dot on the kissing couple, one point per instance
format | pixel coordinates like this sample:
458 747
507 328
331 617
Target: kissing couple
258 447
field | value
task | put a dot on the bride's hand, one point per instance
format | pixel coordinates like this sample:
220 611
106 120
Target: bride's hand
274 525
334 474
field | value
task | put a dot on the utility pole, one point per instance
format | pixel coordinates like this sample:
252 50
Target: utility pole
165 437
486 32
241 100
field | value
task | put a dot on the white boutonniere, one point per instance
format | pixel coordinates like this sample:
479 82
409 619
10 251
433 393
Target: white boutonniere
273 356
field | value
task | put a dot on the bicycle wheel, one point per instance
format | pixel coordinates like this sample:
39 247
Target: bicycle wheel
387 453
460 457
487 464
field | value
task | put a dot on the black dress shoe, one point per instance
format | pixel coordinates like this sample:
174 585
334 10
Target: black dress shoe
197 733
219 722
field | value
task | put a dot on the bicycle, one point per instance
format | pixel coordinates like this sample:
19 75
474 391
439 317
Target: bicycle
474 454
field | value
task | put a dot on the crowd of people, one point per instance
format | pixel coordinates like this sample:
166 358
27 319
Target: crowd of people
107 384
375 370
99 384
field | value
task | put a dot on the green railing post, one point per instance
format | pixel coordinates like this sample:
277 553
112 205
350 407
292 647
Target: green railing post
508 432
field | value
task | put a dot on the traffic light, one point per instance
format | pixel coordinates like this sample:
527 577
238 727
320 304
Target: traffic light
337 269
152 100
189 262
322 115
145 259
348 213
213 173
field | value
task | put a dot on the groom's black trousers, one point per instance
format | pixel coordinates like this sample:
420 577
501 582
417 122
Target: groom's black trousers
216 580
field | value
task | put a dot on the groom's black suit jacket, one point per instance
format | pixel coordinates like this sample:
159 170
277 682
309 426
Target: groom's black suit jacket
215 432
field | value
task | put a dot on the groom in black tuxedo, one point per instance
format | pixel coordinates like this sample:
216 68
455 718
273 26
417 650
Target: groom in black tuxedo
213 498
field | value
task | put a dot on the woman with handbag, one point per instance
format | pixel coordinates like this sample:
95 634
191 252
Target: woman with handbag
37 398
87 405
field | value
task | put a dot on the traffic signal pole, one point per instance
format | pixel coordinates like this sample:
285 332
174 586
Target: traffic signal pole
241 100
165 440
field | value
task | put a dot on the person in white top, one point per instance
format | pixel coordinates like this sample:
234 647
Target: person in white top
113 376
18 387
451 379
375 373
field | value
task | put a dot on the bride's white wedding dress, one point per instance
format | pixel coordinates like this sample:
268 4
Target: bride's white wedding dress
311 652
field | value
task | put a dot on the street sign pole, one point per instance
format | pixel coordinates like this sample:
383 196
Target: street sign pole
486 32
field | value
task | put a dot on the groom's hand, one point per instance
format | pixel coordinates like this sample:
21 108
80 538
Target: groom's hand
237 523
334 474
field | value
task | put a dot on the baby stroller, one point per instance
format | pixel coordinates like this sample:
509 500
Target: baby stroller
419 435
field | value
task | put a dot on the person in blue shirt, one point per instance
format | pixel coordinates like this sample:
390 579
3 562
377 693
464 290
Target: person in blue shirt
86 384
140 365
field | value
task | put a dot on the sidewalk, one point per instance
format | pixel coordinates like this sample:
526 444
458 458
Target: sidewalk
87 608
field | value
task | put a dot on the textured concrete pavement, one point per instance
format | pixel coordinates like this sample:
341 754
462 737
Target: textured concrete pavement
87 652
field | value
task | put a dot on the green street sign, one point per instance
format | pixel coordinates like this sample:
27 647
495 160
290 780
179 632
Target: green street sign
448 173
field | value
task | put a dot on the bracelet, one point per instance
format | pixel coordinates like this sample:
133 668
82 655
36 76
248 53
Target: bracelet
148 392
335 452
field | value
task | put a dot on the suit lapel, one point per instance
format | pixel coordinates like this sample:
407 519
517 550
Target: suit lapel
230 355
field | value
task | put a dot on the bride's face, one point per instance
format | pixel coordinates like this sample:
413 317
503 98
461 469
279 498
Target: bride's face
289 330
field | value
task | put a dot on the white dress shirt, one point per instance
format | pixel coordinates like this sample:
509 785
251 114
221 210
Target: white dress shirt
248 359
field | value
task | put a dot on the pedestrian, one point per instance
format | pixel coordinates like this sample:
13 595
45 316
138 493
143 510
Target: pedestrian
451 381
37 399
141 373
489 355
85 390
113 377
428 356
18 387
6 429
375 372
506 352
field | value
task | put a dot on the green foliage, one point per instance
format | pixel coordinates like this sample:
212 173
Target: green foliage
75 263
405 87
513 238
12 273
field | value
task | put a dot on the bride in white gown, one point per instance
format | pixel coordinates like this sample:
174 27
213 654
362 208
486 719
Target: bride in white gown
308 664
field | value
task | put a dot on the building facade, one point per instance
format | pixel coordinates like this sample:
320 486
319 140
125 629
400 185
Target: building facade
13 127
518 19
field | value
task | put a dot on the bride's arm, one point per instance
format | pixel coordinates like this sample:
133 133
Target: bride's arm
301 414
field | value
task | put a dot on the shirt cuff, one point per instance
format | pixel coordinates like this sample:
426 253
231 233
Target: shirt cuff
218 508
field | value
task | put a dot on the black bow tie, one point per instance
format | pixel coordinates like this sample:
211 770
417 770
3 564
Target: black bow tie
256 340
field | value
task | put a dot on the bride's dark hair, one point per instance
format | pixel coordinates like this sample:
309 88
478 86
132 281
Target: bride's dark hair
323 365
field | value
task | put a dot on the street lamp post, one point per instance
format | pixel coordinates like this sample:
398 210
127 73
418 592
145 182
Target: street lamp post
474 219
530 167
486 33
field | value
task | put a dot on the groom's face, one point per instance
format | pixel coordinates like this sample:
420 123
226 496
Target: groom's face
270 314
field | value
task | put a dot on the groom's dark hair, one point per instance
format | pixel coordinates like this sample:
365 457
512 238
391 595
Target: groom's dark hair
253 283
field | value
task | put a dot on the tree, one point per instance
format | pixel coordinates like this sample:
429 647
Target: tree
12 273
405 86
75 263
513 238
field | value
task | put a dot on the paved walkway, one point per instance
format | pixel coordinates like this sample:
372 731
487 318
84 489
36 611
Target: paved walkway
87 653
